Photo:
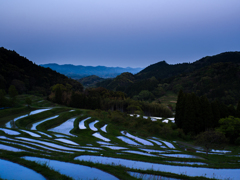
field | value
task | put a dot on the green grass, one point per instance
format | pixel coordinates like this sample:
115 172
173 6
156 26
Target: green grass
8 112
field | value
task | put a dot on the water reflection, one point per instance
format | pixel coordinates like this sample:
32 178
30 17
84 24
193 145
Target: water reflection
44 134
149 176
10 170
31 133
92 127
127 140
189 171
10 132
156 142
34 126
98 135
180 155
11 124
142 141
75 171
81 124
168 144
140 153
67 141
104 128
9 148
114 147
65 127
190 163
50 144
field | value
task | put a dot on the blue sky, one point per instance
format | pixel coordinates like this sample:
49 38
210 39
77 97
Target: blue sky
124 33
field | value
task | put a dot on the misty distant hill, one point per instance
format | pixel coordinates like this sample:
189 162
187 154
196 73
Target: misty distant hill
79 71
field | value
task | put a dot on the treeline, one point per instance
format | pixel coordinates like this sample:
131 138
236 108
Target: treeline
101 98
196 114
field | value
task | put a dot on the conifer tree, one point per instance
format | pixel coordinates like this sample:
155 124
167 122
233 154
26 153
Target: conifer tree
179 115
238 109
197 113
207 116
189 115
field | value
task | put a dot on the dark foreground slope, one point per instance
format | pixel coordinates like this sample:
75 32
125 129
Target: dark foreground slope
26 76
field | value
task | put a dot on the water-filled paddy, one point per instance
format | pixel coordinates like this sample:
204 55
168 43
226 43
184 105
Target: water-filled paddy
92 127
149 176
152 150
19 144
156 142
10 170
67 141
189 171
187 163
9 148
168 144
34 126
31 133
104 128
103 143
53 145
114 147
45 134
11 124
180 155
65 127
98 135
139 153
62 143
61 135
75 171
81 123
10 132
127 140
140 140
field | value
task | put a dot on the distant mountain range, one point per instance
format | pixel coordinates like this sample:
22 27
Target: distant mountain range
79 71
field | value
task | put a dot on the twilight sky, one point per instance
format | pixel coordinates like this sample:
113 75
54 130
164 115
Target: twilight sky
124 33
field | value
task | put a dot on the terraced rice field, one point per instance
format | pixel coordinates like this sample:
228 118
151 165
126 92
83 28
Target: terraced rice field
72 145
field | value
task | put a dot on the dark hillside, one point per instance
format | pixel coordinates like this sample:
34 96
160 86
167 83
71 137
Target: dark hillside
214 76
219 80
28 77
163 70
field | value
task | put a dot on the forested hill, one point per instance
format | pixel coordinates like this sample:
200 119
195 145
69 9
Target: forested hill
28 77
214 76
163 70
